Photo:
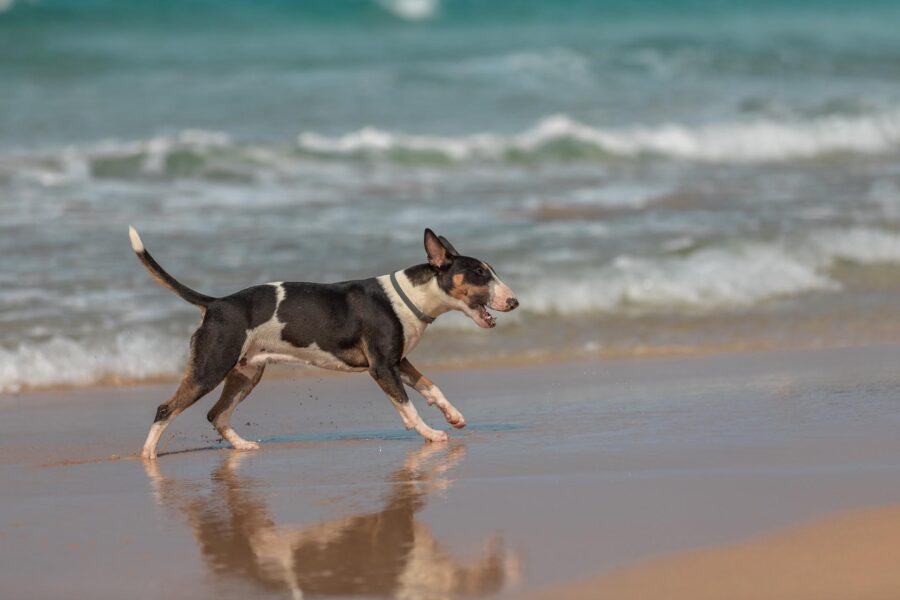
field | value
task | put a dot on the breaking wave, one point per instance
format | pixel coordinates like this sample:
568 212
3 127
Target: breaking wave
127 356
217 156
559 137
716 278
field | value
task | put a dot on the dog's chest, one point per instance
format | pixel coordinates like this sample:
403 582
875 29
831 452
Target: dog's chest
412 333
413 328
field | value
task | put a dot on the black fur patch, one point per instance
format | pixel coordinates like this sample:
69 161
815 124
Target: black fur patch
162 413
420 274
343 319
473 271
263 299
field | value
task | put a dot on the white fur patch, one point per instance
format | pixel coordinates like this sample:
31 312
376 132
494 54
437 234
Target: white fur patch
413 327
136 242
500 292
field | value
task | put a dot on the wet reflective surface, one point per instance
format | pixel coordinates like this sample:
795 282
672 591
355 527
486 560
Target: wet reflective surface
387 552
566 471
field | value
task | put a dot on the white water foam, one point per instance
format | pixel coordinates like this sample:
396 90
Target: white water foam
732 277
211 154
744 141
128 356
6 5
412 10
714 278
860 245
55 167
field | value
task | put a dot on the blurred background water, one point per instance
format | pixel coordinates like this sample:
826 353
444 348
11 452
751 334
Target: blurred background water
650 177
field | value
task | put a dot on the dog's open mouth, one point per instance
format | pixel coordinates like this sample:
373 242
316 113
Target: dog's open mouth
483 318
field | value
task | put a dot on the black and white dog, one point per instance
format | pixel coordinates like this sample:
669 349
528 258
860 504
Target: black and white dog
365 325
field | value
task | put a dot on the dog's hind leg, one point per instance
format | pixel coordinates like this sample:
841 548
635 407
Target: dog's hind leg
238 385
214 351
432 393
188 392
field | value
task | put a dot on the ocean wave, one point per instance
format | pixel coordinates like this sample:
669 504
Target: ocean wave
127 356
210 155
709 279
560 136
529 67
411 10
861 245
735 276
189 153
6 5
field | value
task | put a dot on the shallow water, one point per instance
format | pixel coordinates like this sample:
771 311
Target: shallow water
565 471
647 177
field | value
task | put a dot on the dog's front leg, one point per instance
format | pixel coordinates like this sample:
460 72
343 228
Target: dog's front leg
388 378
432 393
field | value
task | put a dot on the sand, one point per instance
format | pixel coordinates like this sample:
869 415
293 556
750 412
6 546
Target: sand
852 555
703 476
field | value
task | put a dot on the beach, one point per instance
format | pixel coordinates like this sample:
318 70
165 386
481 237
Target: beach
696 204
591 475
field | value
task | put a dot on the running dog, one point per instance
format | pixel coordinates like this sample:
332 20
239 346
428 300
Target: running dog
363 325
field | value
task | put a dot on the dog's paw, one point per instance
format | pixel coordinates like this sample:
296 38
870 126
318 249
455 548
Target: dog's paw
244 445
457 420
436 436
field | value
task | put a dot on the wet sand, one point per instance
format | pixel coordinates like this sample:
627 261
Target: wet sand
610 474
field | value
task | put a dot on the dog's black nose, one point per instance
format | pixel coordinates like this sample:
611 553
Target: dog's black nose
512 303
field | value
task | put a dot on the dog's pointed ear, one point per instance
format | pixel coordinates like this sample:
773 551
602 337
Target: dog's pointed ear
438 255
448 246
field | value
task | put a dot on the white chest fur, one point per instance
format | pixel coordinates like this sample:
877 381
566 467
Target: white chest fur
413 328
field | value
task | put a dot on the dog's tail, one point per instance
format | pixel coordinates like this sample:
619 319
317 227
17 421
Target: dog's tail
163 278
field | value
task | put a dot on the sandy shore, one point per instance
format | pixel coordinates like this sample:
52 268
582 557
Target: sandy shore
626 477
852 555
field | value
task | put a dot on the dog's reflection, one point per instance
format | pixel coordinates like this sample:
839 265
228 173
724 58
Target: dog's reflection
386 553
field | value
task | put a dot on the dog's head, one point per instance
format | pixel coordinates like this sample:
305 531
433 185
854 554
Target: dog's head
471 285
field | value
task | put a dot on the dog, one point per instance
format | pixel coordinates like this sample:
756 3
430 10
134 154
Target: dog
362 325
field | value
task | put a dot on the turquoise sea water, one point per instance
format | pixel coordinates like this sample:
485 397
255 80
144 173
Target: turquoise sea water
646 175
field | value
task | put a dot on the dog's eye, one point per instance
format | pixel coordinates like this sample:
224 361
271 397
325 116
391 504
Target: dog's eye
480 271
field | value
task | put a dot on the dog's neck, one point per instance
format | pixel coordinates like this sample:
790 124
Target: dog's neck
424 291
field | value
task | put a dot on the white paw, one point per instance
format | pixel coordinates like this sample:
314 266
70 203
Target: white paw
148 454
456 419
244 445
436 436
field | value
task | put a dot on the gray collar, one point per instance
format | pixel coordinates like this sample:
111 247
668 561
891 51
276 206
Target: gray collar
409 303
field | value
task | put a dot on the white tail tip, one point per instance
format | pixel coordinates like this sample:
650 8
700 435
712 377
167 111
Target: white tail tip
136 242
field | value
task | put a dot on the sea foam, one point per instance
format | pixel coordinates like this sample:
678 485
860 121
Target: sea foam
734 276
740 141
710 279
196 154
126 356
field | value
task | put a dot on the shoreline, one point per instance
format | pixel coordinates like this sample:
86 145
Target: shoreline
285 371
